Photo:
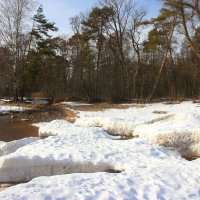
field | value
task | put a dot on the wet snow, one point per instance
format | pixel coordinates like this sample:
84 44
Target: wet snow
75 160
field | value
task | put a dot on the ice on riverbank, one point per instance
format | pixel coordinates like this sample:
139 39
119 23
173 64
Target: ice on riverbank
10 147
176 126
80 150
63 128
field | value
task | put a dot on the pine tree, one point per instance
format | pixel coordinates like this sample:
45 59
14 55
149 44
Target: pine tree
39 46
161 37
189 14
41 30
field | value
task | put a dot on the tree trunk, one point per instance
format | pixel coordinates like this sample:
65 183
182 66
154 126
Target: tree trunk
169 40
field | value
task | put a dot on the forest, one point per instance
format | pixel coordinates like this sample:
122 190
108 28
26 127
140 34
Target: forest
114 54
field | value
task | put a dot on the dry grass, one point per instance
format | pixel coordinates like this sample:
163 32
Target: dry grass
101 106
71 115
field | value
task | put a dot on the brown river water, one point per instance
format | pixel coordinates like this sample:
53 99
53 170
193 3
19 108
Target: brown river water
13 130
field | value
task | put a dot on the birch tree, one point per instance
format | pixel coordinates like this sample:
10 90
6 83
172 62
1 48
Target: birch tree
14 15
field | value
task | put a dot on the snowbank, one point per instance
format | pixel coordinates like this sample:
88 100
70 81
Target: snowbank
181 132
81 150
63 127
148 172
120 121
143 183
176 126
115 127
55 127
9 147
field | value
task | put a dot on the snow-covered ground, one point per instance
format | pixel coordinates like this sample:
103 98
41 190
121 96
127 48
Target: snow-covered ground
9 147
7 109
78 162
176 126
75 104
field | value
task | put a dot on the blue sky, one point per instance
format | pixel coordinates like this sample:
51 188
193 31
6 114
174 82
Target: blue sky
59 11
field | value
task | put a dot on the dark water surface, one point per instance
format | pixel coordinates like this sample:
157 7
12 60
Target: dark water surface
13 130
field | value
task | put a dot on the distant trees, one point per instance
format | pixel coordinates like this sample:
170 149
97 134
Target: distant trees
115 53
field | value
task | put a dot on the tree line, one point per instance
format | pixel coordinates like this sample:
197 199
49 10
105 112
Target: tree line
115 53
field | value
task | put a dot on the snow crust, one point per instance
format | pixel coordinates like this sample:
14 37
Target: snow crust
63 127
147 171
131 186
79 150
176 126
9 147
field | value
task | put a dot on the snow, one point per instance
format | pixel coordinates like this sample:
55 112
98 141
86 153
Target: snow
75 104
63 127
76 162
57 155
181 132
9 147
147 171
152 185
176 126
7 109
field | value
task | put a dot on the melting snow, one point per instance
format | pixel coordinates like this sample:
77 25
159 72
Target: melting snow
177 126
75 104
9 147
73 152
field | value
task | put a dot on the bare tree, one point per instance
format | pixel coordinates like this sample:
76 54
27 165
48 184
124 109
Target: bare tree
13 23
117 36
135 33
